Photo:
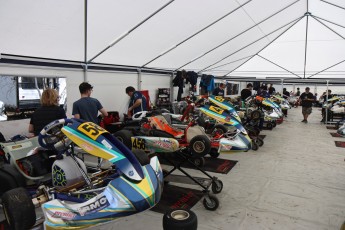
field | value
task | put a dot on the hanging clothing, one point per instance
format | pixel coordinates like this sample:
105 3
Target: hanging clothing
192 78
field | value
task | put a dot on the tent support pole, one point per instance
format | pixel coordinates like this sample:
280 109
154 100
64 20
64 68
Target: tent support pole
139 79
333 4
306 44
85 72
328 27
282 86
326 109
171 87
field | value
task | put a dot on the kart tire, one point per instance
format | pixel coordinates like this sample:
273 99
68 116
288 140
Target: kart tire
217 186
180 219
214 153
259 141
159 133
141 156
199 161
19 209
200 145
255 115
10 178
125 137
274 124
269 126
212 204
221 129
255 146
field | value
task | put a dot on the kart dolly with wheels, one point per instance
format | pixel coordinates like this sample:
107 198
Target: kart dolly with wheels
181 158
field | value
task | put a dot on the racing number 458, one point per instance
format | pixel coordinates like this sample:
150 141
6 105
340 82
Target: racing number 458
138 143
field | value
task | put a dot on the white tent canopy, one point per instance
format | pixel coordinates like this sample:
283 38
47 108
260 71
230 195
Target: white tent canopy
231 38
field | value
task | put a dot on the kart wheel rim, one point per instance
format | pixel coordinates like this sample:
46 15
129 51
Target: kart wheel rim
180 215
199 146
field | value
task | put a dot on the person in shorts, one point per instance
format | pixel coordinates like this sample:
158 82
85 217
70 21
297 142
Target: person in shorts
307 99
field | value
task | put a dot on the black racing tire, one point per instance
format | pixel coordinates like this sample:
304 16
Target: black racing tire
19 209
141 156
214 153
181 219
255 146
269 126
220 129
200 145
212 204
10 178
199 161
125 137
255 115
159 133
217 186
274 124
259 141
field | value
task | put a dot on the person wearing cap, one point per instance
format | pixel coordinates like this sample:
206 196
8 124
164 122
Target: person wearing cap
219 91
86 107
137 101
307 99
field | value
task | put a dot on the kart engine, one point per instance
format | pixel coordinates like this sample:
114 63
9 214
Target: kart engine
66 171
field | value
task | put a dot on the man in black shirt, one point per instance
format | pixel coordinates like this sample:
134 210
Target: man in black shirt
219 91
307 99
247 92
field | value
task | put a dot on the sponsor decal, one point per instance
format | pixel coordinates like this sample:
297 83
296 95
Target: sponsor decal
64 215
91 130
87 147
216 109
95 206
166 144
16 146
106 144
219 98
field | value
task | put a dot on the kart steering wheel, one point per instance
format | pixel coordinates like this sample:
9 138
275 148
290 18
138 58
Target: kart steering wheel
51 136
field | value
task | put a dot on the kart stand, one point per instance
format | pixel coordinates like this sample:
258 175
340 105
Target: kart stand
210 202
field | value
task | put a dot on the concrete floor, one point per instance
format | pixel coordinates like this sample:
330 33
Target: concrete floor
295 181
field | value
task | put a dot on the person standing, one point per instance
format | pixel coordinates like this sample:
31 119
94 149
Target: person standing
307 99
48 112
286 93
271 89
246 92
325 98
219 91
137 101
298 93
87 107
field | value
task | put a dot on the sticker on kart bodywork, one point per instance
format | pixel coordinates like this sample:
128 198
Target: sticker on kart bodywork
216 109
91 130
138 143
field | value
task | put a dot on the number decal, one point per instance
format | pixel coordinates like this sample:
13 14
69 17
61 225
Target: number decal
216 109
138 143
219 98
91 130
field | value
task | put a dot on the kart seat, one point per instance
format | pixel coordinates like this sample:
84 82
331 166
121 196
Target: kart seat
159 122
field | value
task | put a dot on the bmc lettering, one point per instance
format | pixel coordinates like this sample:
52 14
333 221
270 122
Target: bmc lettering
94 207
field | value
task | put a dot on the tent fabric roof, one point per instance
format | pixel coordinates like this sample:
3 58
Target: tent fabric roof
231 38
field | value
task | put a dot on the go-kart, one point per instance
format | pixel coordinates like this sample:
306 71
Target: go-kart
75 197
227 139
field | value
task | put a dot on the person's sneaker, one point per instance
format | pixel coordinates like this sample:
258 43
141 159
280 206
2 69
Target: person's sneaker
303 120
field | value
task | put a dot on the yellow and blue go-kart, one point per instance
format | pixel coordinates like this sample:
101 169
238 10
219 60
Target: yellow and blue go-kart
75 198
